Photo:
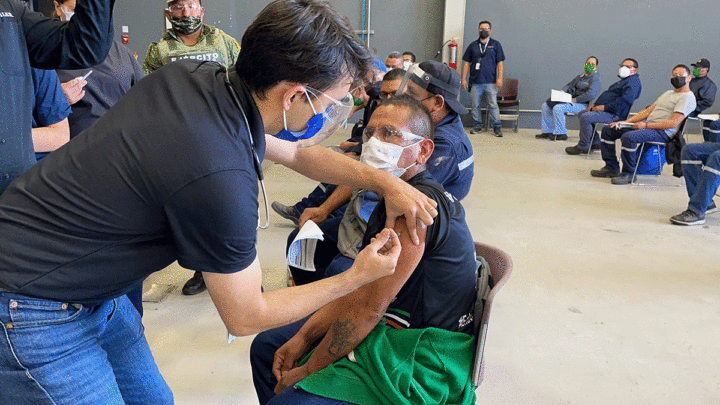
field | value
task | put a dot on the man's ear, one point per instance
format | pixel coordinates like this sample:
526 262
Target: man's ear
427 146
291 94
439 102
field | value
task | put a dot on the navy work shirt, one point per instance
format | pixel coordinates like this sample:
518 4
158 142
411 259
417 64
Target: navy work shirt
620 96
29 38
452 162
440 293
487 63
167 174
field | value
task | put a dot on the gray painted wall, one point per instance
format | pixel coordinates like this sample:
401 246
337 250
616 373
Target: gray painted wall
546 42
399 25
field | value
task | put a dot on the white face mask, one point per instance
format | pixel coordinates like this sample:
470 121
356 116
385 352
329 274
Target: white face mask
384 156
624 72
406 64
68 14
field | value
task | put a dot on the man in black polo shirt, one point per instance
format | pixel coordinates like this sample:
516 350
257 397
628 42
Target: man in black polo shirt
170 173
433 287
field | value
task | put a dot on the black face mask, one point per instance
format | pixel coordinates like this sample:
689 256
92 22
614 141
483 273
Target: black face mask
677 81
484 34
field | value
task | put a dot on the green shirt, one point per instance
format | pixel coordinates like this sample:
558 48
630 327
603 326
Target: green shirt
212 45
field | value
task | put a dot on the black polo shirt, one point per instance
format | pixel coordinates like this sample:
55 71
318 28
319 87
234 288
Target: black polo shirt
167 174
441 291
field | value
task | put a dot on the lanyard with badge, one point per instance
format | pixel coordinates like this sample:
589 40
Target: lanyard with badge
483 52
256 159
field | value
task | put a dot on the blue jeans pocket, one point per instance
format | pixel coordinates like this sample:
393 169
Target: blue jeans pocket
33 312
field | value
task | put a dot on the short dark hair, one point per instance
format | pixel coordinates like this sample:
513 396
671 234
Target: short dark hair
635 64
412 56
420 120
597 62
485 22
687 69
394 74
300 41
394 55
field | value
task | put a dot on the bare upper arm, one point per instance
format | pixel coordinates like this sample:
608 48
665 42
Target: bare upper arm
378 294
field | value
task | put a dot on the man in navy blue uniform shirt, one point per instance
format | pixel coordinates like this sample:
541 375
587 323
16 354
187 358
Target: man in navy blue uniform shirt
484 61
170 173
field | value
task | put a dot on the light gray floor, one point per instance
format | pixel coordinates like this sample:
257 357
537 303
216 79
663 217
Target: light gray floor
608 302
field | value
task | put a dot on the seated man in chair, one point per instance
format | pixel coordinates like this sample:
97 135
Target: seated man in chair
612 105
656 123
583 89
426 303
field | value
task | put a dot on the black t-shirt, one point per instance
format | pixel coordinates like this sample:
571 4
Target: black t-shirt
441 291
167 174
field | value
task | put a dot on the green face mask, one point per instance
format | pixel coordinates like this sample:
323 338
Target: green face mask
589 68
186 25
696 72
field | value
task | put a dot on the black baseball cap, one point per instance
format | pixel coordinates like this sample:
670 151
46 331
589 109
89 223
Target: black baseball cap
702 63
445 81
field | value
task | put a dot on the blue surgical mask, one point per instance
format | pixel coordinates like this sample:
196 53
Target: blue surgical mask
313 126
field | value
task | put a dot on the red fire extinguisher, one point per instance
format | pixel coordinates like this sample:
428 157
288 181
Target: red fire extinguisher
453 54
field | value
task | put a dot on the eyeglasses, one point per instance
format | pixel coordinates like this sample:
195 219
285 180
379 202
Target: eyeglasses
335 105
389 134
178 8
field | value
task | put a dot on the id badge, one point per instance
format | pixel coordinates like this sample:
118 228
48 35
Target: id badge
477 66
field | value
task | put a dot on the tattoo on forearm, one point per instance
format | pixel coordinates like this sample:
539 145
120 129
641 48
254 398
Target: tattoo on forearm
343 335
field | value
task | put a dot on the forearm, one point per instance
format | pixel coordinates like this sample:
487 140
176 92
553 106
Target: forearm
337 199
642 115
47 139
246 311
465 69
663 125
342 337
500 70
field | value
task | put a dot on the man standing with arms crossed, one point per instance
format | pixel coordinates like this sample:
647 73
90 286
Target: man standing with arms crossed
484 61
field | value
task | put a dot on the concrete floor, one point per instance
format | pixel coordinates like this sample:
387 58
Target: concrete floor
608 302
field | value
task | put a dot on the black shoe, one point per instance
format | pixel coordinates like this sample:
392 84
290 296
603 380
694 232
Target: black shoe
595 146
559 137
711 208
498 133
289 213
195 285
476 130
623 178
544 135
688 217
574 150
605 172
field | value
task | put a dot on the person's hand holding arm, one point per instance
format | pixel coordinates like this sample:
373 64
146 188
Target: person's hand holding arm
347 321
324 165
246 310
673 122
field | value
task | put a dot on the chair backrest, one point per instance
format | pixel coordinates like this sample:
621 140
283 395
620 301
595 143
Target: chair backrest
509 90
501 266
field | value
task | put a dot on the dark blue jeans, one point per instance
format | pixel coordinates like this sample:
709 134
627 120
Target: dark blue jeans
54 352
587 120
701 169
711 131
631 141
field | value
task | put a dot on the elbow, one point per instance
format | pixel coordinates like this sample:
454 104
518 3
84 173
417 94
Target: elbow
244 330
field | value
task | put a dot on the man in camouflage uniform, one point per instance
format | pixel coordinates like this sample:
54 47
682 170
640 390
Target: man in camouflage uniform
189 38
